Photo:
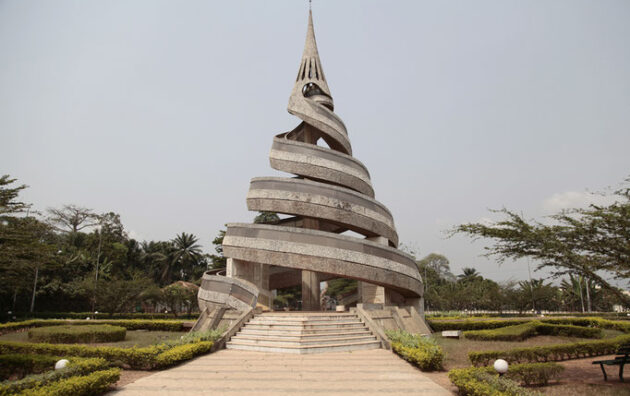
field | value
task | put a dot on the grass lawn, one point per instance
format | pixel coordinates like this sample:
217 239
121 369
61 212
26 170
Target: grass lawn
138 338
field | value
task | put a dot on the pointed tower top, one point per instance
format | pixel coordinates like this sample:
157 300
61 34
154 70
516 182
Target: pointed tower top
310 81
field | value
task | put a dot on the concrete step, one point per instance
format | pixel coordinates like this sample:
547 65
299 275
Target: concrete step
304 349
314 320
301 335
286 326
281 341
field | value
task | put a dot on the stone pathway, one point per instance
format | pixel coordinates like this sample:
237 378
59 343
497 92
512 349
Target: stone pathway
233 372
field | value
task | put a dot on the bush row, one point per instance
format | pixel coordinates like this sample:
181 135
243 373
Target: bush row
16 365
417 350
69 334
146 358
478 382
441 325
469 324
533 328
102 315
77 366
86 385
136 324
547 353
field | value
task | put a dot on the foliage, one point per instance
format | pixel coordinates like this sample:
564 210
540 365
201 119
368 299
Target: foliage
129 324
217 260
104 315
591 242
340 287
469 324
181 353
20 365
76 366
556 352
478 382
69 334
91 384
421 351
531 329
177 295
266 218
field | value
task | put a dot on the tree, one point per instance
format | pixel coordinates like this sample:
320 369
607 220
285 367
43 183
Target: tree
592 242
217 260
186 256
469 275
266 218
71 219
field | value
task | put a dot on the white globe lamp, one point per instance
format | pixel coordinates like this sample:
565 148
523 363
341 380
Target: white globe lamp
501 366
61 364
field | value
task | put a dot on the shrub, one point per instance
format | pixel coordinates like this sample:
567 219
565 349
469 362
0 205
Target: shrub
21 365
91 384
103 315
78 334
135 324
478 382
181 353
417 350
440 325
77 366
551 352
509 333
533 328
532 373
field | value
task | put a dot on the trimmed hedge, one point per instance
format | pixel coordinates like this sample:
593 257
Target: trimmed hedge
478 382
466 325
137 324
181 353
92 384
69 334
547 353
441 325
18 365
102 315
136 358
417 350
531 329
77 366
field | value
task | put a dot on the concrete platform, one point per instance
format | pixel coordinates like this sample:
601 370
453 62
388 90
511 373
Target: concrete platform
232 372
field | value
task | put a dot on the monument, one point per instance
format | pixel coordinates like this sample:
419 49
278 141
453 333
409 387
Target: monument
327 194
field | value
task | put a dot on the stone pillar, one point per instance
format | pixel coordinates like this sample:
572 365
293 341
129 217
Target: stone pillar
310 291
370 293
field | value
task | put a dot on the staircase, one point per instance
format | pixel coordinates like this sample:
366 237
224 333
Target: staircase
304 332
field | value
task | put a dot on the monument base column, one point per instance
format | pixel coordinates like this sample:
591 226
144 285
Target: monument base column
256 273
310 291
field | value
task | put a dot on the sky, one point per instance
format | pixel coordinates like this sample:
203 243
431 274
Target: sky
163 111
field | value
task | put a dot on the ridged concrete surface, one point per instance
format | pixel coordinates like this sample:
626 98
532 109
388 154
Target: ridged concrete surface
231 372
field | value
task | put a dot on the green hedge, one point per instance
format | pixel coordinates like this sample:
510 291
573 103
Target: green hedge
91 384
478 382
77 366
441 325
181 353
547 353
69 334
469 325
531 329
136 358
18 365
137 324
102 315
417 350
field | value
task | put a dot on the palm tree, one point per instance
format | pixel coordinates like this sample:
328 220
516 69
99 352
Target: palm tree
185 256
469 275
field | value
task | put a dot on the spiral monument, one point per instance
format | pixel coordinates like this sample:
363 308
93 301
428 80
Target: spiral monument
328 193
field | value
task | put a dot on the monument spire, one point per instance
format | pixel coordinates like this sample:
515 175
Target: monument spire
311 81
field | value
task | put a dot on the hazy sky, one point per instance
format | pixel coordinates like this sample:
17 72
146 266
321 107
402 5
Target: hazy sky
163 111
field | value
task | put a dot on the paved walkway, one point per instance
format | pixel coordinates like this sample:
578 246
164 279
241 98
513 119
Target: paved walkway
232 372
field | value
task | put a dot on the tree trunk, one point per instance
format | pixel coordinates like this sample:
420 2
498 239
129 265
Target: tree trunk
588 297
581 295
34 289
